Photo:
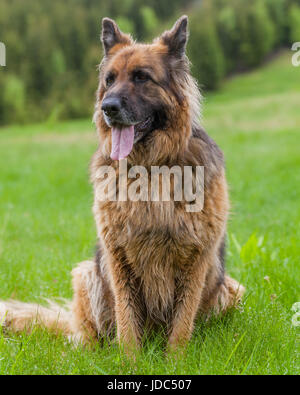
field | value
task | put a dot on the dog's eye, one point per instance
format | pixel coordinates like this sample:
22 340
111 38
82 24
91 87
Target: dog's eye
110 79
140 76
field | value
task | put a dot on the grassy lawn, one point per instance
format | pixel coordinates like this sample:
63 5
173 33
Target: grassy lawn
46 226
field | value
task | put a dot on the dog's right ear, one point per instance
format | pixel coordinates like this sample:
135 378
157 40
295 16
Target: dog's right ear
111 35
177 37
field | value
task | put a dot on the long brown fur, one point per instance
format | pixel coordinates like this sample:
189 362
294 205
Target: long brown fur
157 263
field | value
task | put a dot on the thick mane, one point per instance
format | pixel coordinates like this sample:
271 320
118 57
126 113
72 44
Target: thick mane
194 97
190 89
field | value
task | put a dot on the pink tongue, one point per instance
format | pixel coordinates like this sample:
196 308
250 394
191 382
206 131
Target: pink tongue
121 142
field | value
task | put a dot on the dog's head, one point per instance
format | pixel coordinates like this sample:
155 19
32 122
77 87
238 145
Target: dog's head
143 87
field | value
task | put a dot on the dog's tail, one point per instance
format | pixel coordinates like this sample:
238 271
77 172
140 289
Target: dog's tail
19 317
89 315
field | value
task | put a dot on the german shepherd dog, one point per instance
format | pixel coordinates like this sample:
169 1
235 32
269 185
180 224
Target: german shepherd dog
156 263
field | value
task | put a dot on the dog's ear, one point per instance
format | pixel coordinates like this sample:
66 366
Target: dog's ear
176 38
111 35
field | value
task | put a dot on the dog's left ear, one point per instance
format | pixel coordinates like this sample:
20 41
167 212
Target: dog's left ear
111 35
176 38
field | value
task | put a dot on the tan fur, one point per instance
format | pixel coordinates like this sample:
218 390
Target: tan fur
21 317
159 263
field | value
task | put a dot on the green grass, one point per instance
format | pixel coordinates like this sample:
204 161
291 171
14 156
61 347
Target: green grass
46 226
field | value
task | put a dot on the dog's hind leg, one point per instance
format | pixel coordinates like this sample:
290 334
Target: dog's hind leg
221 292
222 297
93 304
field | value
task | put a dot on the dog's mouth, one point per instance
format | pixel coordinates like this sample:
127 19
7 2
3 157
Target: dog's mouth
124 136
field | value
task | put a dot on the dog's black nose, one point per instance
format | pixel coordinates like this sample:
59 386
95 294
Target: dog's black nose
111 106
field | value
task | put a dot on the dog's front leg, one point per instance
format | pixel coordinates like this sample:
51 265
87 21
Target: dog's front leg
189 291
128 306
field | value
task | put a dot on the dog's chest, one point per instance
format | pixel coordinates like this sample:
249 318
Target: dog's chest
156 259
145 228
157 243
151 241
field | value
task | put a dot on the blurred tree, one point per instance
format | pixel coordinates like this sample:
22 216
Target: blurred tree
13 99
228 34
278 12
256 32
53 46
125 24
204 49
150 21
294 22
